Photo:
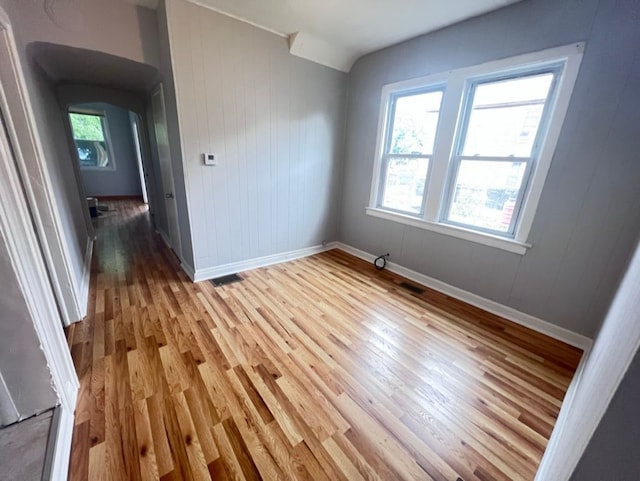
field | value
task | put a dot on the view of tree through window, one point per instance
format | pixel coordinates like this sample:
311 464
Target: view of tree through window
90 139
410 148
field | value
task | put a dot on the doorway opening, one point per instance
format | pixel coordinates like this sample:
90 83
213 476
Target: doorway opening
108 149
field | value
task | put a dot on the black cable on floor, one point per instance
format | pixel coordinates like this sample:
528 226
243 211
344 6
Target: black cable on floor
381 265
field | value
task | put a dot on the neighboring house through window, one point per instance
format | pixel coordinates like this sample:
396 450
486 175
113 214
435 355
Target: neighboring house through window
91 137
466 153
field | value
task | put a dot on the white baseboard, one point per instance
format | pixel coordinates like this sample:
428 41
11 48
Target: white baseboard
165 238
226 269
83 296
190 271
563 423
526 320
59 446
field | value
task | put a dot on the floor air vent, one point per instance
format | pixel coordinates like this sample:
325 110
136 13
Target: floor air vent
224 280
412 287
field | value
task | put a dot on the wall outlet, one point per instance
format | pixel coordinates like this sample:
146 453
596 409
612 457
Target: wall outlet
210 159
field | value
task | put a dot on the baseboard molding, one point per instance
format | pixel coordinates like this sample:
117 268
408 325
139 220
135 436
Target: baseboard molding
190 271
59 446
255 263
118 197
165 238
513 315
563 423
83 295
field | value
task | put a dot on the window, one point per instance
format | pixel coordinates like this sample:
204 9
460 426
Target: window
466 153
496 149
408 150
91 137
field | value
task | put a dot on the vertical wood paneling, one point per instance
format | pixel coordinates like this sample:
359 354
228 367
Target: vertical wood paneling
274 120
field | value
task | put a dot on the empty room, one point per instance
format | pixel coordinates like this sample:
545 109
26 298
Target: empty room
357 240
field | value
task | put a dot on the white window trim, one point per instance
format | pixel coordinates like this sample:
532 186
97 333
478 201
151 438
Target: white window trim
456 82
107 138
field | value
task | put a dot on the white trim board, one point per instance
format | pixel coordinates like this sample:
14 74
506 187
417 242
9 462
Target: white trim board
165 239
59 446
86 279
190 271
255 263
32 166
26 237
526 320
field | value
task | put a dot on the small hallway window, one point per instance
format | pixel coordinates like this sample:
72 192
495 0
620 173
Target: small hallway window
91 138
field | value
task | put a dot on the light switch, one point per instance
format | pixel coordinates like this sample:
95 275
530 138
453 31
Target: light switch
209 159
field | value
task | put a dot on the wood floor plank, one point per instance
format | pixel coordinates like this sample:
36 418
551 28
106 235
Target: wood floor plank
97 456
320 368
146 445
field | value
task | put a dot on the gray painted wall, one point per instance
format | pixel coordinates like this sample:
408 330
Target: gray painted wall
79 93
74 25
125 180
28 386
276 123
114 27
612 453
171 110
587 221
49 123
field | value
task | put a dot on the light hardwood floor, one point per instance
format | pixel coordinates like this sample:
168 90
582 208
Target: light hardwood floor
321 368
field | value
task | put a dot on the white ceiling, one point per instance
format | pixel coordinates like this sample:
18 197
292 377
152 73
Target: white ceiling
337 32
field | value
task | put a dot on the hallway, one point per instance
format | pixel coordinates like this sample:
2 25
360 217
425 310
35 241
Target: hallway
320 368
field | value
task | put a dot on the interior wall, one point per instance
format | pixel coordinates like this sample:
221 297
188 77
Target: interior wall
113 27
587 221
166 66
125 179
612 452
594 385
70 206
276 125
69 94
27 384
89 24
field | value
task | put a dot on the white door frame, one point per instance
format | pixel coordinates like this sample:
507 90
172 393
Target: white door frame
71 294
24 233
137 141
166 176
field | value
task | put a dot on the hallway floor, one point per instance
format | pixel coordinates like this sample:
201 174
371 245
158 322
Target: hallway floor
321 368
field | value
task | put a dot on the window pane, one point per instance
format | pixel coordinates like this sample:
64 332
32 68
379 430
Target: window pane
485 192
415 123
89 137
505 116
87 127
404 184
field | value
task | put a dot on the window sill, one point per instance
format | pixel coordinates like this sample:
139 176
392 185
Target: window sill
454 231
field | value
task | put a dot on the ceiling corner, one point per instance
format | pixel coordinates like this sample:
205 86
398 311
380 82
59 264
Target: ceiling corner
318 50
